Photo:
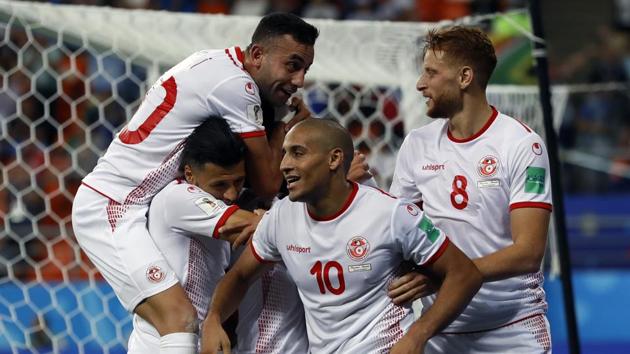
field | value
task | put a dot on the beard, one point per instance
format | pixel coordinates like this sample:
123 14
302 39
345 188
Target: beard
445 105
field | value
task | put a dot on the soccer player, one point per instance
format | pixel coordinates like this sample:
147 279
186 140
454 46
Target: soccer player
342 244
483 178
109 209
185 216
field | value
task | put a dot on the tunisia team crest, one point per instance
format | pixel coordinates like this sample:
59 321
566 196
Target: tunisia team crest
488 166
155 274
358 248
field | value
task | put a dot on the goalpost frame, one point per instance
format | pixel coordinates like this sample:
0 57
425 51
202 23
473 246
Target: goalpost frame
540 54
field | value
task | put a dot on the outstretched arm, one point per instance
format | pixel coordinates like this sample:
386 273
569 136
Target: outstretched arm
227 296
460 282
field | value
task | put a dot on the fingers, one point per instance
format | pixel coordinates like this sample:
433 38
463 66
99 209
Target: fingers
410 287
359 168
302 112
243 237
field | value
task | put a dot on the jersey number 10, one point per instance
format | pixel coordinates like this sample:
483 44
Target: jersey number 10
322 273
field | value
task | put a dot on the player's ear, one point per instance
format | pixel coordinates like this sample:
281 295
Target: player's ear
466 75
256 52
188 174
336 159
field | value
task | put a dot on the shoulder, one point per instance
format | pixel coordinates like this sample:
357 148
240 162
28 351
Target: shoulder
423 134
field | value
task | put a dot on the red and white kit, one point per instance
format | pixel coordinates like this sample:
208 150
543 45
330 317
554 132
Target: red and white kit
109 209
343 264
183 222
468 188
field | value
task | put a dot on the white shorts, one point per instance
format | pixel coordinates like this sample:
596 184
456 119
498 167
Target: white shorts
527 336
144 338
115 238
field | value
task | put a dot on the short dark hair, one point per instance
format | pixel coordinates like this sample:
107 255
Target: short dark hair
212 141
466 45
279 23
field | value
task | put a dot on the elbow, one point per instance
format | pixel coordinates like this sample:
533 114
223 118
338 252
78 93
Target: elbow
532 265
475 278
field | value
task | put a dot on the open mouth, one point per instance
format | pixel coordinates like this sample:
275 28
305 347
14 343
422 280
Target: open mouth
291 180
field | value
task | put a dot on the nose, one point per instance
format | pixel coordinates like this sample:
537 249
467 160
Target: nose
230 195
298 79
285 164
421 85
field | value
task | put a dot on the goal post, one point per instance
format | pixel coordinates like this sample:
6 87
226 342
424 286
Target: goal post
72 75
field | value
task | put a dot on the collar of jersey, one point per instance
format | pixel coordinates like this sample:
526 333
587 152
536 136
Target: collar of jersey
236 54
483 129
344 207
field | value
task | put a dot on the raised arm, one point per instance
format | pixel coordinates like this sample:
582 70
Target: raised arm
460 282
227 296
263 162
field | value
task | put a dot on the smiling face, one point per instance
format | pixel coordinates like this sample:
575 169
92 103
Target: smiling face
224 183
305 166
439 84
282 64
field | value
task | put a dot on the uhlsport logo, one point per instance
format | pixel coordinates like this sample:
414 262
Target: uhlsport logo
358 248
412 209
249 88
488 166
155 274
537 148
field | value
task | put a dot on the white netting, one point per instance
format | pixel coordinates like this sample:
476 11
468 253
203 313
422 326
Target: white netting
72 75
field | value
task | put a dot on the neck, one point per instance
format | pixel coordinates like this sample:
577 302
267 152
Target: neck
333 200
471 118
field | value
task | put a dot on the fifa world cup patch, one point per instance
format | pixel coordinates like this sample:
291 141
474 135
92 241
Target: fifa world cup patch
429 229
535 180
207 205
254 113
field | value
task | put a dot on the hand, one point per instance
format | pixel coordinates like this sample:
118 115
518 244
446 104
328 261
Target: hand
302 112
239 232
213 337
410 287
407 345
359 168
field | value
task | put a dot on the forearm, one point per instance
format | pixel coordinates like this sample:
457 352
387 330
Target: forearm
227 296
511 261
456 291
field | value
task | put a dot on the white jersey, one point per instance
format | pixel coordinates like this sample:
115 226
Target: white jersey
183 222
468 188
271 316
144 156
342 265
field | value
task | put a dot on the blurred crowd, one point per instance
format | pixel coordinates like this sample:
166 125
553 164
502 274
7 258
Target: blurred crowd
59 107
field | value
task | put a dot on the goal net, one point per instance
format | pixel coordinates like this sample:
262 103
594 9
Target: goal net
71 77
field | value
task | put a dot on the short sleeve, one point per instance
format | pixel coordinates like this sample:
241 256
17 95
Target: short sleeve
530 182
264 245
414 233
237 101
403 185
196 212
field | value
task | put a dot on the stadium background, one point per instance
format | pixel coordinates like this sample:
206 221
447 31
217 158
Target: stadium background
589 43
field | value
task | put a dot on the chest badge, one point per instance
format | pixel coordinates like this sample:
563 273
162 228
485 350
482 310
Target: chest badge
357 248
488 166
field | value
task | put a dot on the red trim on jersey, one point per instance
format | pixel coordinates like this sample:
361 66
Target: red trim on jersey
493 116
239 55
230 210
541 205
437 254
492 329
258 258
380 190
253 134
99 192
344 207
529 130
